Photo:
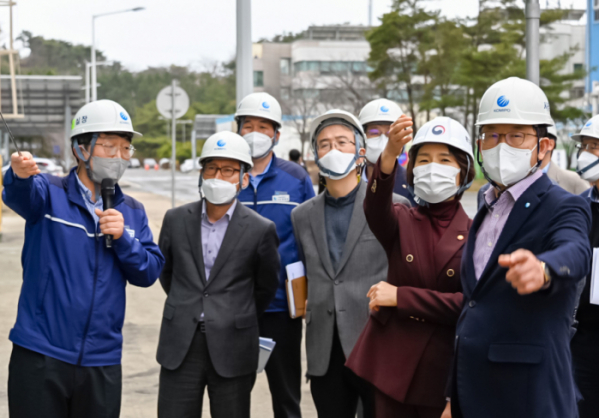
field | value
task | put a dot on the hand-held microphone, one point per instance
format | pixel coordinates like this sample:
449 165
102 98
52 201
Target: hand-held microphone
107 188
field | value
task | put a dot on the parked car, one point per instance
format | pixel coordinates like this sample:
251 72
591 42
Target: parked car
44 164
187 165
150 163
134 163
165 163
48 166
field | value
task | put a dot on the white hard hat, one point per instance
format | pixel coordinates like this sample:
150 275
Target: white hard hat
227 145
445 130
337 114
261 105
380 110
102 116
514 101
590 129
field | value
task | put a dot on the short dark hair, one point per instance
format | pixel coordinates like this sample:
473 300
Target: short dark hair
294 155
460 156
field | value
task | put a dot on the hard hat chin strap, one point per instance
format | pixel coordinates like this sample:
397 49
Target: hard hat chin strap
87 161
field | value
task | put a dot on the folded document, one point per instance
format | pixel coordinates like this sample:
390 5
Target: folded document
266 347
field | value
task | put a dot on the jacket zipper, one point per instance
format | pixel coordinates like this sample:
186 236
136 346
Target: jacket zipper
255 199
91 308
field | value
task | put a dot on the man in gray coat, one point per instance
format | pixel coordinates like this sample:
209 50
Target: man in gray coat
343 260
221 273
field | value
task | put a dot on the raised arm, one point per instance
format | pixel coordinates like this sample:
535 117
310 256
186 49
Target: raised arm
381 214
25 191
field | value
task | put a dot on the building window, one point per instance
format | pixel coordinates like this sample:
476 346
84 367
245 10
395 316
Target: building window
258 78
578 67
285 93
285 66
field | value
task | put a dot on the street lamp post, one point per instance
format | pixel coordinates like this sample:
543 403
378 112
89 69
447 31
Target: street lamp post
93 64
533 16
244 60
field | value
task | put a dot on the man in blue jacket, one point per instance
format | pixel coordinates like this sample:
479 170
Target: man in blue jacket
67 341
527 251
276 187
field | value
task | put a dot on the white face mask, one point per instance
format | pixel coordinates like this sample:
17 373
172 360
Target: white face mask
435 183
219 192
340 164
374 147
259 143
507 165
584 160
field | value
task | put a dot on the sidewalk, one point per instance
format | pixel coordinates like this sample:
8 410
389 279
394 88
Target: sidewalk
142 325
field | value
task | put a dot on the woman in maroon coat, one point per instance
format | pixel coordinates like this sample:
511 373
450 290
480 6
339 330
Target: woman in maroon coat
406 348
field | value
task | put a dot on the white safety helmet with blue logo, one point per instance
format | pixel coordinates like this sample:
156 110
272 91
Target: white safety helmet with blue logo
102 116
590 129
514 101
227 144
445 130
261 105
379 110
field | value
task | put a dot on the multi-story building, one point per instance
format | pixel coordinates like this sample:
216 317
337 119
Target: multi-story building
592 52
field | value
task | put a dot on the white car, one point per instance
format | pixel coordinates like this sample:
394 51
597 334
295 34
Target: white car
134 163
165 163
45 165
150 163
187 165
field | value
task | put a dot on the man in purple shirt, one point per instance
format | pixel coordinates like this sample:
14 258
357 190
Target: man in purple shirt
526 252
221 273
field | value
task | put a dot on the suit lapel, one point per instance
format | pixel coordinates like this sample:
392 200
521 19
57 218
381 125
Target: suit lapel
194 235
234 234
523 208
451 241
316 214
356 226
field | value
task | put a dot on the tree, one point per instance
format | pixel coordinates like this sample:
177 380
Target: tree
395 53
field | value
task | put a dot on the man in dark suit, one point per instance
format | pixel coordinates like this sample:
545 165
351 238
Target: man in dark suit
526 252
221 272
585 344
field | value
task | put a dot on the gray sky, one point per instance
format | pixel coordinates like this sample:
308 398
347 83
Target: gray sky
192 32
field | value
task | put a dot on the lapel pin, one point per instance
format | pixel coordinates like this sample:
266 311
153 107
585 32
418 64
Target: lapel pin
460 237
527 205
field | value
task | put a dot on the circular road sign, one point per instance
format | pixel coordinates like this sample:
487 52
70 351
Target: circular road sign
164 102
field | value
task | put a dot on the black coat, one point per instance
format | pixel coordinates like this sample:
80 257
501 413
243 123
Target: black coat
242 284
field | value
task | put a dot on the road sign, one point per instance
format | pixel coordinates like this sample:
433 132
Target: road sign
164 102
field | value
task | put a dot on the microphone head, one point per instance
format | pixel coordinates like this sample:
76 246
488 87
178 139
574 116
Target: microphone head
108 184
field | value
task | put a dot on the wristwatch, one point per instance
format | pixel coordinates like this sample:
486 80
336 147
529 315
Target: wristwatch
546 273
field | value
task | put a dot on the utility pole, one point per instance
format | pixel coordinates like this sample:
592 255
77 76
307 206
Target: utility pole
533 16
174 139
370 13
244 63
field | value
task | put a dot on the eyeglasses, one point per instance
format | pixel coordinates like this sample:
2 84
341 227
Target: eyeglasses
226 172
112 150
513 139
591 146
377 132
339 144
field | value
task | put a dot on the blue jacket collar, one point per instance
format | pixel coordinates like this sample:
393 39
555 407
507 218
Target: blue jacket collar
71 185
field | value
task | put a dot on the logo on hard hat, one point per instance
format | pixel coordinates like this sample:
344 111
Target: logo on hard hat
221 143
438 130
589 123
384 109
502 101
265 105
124 116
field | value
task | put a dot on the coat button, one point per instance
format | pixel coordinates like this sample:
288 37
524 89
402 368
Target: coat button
410 258
460 237
206 295
336 281
472 304
450 273
330 311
